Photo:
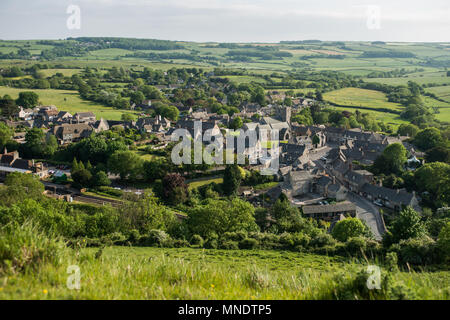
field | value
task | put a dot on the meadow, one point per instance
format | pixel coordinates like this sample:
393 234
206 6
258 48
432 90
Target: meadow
352 98
70 101
189 273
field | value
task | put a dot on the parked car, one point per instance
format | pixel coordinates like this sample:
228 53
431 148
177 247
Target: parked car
378 203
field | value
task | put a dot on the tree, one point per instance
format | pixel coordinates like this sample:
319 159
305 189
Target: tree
391 160
127 164
319 96
6 134
348 228
51 146
82 177
438 154
434 179
231 180
407 129
407 225
286 218
22 186
443 242
27 99
170 112
34 146
237 123
137 97
156 169
175 189
315 140
144 214
127 117
220 216
428 138
101 179
8 107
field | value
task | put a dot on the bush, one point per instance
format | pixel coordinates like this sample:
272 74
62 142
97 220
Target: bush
212 242
391 261
110 191
417 251
26 246
322 240
229 245
348 228
134 236
197 240
348 286
356 245
248 244
180 243
155 237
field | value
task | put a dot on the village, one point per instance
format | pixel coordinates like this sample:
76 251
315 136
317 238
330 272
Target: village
321 168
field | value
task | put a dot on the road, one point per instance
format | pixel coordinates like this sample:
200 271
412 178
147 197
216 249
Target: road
365 209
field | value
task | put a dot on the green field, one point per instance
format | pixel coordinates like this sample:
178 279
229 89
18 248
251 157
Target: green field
69 101
202 182
361 98
355 97
155 273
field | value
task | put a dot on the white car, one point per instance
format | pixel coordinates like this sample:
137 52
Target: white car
378 203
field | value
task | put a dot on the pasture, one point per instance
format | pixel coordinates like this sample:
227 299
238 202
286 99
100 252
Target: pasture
70 101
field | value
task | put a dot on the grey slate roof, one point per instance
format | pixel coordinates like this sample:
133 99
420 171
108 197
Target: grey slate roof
344 206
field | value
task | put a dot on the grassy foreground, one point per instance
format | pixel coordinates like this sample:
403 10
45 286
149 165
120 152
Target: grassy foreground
159 273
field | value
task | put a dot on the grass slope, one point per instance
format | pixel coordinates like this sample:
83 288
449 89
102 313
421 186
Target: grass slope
155 273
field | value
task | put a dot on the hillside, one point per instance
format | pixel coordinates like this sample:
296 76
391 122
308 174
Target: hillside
155 273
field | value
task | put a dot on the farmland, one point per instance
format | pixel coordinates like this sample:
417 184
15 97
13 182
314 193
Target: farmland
68 101
352 98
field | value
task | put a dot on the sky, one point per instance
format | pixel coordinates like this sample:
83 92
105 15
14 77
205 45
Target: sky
228 20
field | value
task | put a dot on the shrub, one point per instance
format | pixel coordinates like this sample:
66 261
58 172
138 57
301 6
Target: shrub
391 261
134 236
211 244
417 251
248 244
322 240
301 239
180 243
197 240
349 286
348 228
110 191
26 246
356 245
443 242
155 237
229 245
212 241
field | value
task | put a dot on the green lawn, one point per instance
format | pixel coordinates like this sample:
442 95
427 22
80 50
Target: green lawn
156 273
70 101
202 182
